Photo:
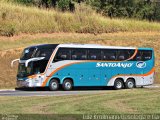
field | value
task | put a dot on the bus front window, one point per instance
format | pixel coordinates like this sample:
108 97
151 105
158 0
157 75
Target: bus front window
39 66
28 53
35 67
31 62
24 71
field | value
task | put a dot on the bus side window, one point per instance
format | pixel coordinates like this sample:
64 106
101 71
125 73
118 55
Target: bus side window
94 54
124 54
62 54
146 55
79 54
138 56
109 54
143 55
44 53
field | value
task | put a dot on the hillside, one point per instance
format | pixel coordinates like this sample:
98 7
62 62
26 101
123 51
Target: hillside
16 19
11 48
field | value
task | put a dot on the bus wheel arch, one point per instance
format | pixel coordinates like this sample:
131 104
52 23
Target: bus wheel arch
118 83
68 84
130 83
54 84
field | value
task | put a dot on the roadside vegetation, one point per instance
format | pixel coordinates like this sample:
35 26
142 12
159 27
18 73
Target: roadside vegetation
137 9
16 19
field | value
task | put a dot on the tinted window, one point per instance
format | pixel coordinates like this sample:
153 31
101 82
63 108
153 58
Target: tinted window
28 53
147 55
63 54
124 54
44 53
94 54
79 54
109 54
143 55
39 66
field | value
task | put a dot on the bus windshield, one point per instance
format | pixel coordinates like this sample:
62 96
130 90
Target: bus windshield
28 53
24 71
33 52
34 67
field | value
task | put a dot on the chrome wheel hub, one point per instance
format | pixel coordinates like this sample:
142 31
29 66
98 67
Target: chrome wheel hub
54 85
68 85
119 84
130 84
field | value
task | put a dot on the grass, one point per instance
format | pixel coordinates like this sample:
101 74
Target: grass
12 47
136 101
16 19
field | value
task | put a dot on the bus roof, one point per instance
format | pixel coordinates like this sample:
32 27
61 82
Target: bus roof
142 48
73 45
93 46
44 46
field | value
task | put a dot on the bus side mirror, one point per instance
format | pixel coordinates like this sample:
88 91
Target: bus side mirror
14 61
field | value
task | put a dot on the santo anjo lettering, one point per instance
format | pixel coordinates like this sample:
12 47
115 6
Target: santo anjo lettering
123 65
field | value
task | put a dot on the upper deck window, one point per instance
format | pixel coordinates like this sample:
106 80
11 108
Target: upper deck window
108 54
63 54
124 54
101 54
79 54
94 54
38 51
143 55
28 53
44 53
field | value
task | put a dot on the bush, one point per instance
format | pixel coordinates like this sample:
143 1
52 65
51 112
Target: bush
7 29
63 5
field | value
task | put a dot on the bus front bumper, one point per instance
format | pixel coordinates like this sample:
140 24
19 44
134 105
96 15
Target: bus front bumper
28 83
22 83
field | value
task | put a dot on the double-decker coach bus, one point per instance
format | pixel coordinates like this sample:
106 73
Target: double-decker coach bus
69 65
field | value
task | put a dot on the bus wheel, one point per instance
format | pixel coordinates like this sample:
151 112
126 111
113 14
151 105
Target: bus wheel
118 84
53 85
67 84
130 84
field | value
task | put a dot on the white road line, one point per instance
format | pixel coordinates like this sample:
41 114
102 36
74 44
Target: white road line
153 86
7 90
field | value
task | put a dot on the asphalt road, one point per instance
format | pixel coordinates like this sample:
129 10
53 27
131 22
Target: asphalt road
44 92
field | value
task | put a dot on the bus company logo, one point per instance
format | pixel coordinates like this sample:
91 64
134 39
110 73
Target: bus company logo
141 64
123 65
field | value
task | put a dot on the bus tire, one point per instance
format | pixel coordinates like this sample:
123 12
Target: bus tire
53 85
118 84
129 84
67 84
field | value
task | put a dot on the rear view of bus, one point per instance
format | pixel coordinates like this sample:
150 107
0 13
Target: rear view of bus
71 65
